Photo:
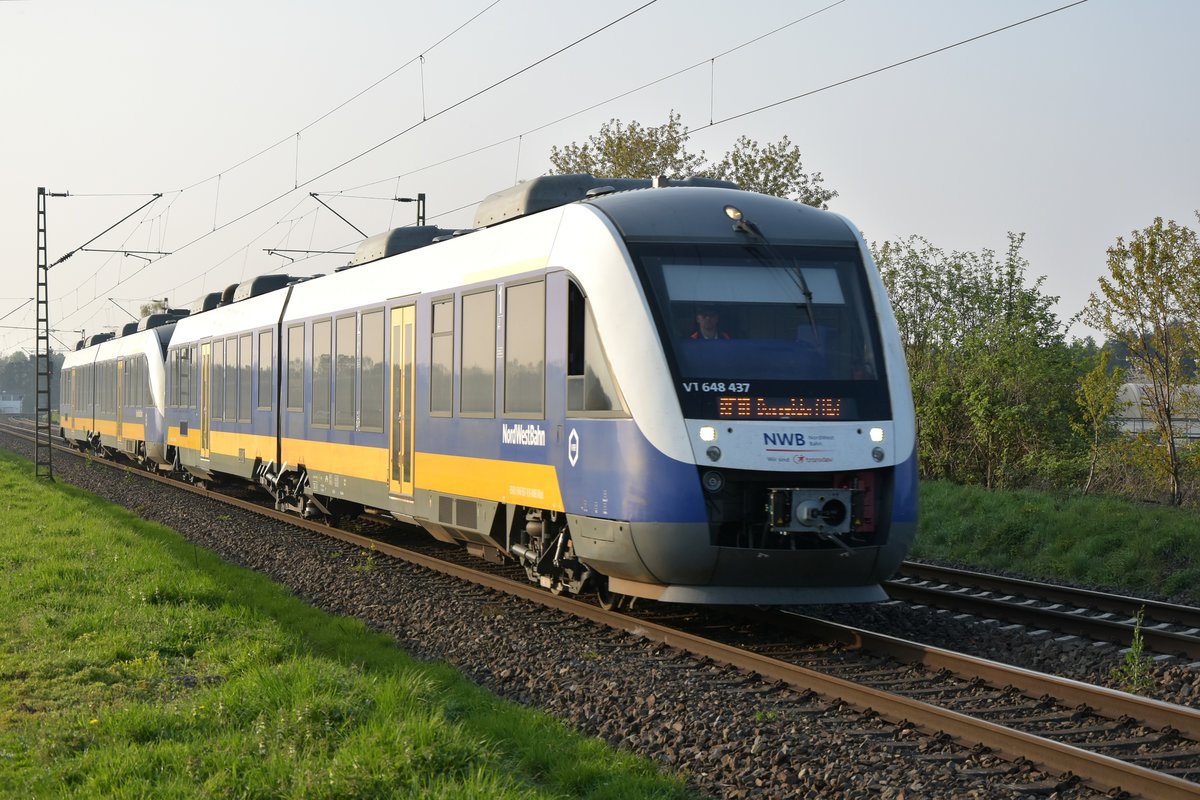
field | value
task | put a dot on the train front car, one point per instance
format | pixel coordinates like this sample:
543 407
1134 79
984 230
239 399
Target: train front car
771 452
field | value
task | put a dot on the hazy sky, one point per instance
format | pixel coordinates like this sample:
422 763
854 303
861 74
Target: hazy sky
1075 128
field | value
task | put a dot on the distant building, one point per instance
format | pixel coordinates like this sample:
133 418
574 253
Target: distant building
11 403
1132 416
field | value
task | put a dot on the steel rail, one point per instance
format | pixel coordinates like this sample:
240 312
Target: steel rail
1188 616
1101 772
1072 622
1104 701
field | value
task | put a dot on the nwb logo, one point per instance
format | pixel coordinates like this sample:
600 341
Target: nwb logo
783 439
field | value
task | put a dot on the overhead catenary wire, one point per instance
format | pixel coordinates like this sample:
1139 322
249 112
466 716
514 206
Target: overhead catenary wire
388 140
343 104
712 122
269 148
265 150
708 61
605 102
896 64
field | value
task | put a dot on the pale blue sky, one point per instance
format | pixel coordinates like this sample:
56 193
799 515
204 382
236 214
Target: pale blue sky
1075 128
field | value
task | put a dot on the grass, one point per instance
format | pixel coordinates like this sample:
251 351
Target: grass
133 664
1101 542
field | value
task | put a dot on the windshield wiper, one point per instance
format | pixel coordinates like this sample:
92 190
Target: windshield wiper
743 225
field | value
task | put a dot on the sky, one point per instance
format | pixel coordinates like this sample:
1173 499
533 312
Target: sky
1074 129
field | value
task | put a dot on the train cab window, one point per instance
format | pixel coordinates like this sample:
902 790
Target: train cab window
266 367
322 371
525 350
295 368
372 398
231 379
441 369
478 360
800 335
345 333
591 389
217 388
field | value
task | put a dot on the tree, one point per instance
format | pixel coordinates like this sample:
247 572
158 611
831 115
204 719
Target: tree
18 375
993 379
637 151
631 151
1098 398
1142 303
775 169
153 307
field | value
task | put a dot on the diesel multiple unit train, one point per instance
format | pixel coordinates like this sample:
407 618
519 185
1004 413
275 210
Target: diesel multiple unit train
670 390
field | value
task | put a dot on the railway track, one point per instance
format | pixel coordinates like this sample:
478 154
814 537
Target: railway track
1166 628
1107 740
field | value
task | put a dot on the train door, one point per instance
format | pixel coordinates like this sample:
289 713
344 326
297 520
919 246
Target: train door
205 399
403 349
120 403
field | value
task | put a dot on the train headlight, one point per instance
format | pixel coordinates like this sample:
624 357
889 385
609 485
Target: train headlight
876 434
708 433
713 481
713 453
734 213
877 454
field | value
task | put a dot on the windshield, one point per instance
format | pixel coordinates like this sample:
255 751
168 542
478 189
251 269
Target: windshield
759 332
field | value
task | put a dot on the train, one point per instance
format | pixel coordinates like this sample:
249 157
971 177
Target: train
673 390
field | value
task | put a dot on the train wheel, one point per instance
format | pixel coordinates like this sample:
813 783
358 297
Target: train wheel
609 601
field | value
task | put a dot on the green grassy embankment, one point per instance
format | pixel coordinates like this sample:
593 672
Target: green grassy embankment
1100 542
135 665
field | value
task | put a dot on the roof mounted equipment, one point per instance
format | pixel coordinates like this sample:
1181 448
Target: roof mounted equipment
551 191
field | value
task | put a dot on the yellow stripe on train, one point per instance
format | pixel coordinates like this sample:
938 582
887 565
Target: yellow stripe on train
505 481
489 479
351 460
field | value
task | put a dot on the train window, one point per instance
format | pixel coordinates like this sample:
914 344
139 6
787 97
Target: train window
217 387
173 378
591 389
371 414
322 372
525 349
231 379
245 354
345 332
478 364
266 367
295 375
441 369
185 378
